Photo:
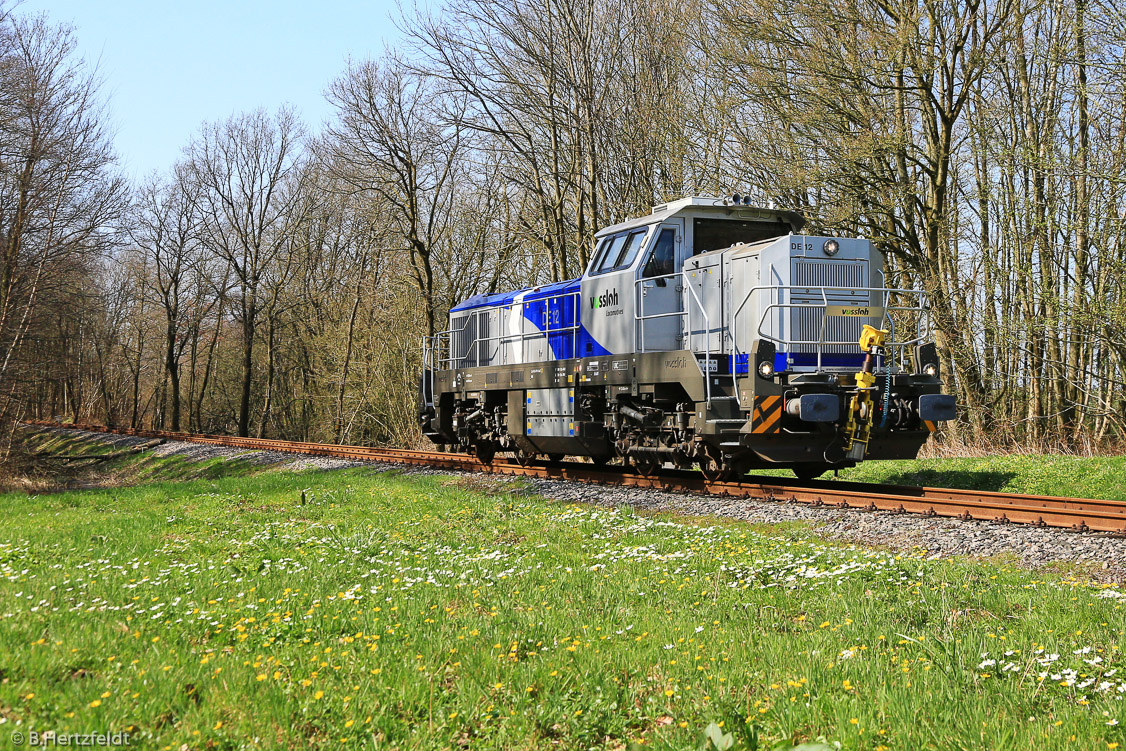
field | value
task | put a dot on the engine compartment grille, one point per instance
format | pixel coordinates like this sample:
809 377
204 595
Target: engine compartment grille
849 274
852 276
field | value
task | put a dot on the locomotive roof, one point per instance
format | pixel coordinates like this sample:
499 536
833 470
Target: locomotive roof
531 294
710 205
700 205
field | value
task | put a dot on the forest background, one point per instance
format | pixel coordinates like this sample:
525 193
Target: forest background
277 280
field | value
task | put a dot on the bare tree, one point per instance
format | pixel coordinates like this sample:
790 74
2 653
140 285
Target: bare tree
58 194
247 168
165 227
391 140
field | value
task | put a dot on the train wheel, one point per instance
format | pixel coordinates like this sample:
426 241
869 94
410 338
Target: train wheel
484 452
556 458
523 458
810 472
716 471
645 467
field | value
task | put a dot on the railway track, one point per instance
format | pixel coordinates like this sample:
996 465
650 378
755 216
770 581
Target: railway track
1085 515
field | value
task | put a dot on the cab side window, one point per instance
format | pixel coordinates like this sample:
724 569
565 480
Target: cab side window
599 251
662 259
610 255
636 240
620 251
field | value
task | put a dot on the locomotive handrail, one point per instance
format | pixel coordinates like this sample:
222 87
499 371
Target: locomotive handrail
707 340
686 313
886 293
474 347
448 335
548 331
639 317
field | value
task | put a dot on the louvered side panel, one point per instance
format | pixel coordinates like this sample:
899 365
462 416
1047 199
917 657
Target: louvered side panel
850 275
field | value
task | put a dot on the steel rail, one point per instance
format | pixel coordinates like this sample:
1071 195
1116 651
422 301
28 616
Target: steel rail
1079 514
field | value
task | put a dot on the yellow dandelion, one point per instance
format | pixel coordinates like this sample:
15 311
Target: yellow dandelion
96 703
319 695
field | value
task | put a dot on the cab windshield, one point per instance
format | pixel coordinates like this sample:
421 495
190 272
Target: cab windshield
618 251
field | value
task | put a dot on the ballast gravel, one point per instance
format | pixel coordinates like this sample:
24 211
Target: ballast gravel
940 537
200 452
1099 554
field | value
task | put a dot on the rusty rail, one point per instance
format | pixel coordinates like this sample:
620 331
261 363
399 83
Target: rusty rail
1086 515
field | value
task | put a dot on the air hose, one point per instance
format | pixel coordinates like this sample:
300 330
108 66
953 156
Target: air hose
888 363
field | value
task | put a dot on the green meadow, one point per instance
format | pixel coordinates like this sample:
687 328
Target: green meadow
388 610
1101 477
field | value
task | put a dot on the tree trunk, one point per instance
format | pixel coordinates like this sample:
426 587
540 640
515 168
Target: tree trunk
347 362
268 401
247 370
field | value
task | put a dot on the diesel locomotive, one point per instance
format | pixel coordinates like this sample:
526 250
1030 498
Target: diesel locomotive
709 332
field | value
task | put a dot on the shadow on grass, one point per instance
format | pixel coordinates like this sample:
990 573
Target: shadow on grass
151 468
964 479
46 461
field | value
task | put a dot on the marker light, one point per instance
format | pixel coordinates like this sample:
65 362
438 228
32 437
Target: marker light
831 247
736 199
766 369
930 369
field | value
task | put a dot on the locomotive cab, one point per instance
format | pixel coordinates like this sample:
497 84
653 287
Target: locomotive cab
634 283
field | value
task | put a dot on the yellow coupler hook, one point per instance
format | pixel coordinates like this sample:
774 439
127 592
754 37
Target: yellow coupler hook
859 425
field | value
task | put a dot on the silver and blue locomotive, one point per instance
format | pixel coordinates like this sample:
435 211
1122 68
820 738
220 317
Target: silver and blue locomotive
708 333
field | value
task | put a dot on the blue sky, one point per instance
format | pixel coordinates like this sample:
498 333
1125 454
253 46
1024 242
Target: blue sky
168 67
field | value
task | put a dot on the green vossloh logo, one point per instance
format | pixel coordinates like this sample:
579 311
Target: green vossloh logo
607 299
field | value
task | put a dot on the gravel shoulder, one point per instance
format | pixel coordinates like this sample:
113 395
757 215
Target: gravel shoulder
1091 554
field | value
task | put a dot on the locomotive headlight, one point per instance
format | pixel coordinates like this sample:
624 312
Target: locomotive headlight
766 369
831 247
930 369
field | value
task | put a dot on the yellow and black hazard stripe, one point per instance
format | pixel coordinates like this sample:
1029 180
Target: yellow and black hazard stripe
767 414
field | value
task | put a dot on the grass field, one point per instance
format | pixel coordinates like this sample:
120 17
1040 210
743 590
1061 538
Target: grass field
384 610
1071 476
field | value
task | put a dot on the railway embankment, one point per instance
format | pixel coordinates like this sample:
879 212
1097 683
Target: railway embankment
1098 555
